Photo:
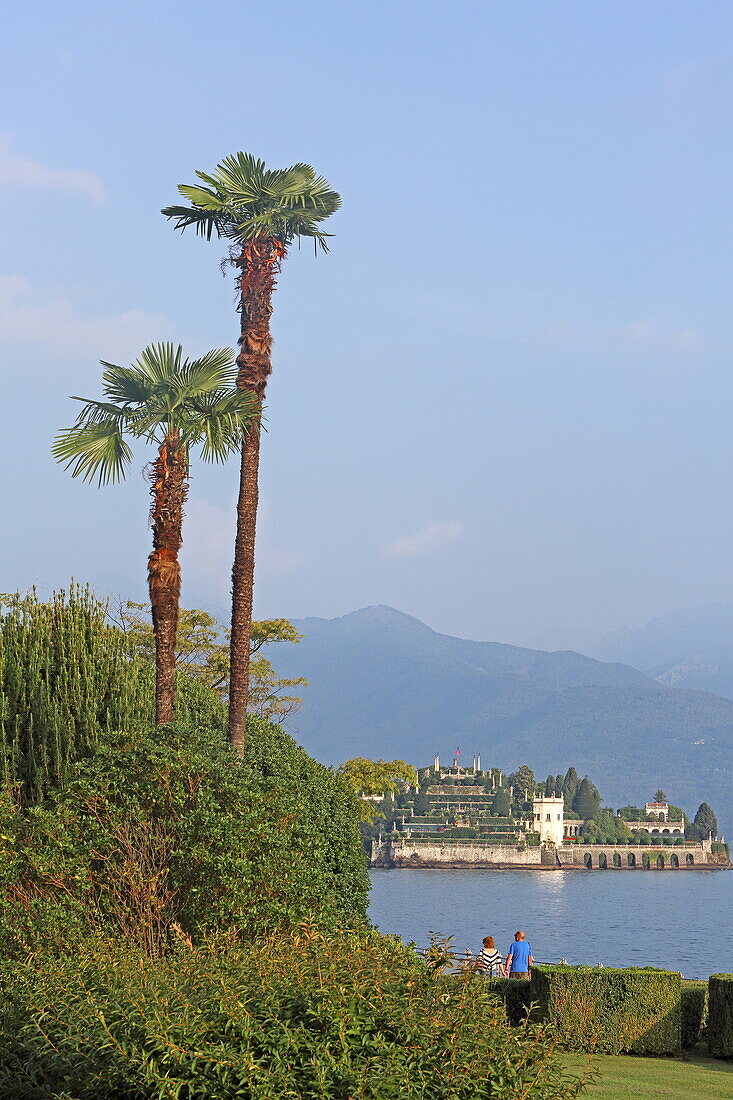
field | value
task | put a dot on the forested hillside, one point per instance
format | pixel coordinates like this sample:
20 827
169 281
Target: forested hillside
385 684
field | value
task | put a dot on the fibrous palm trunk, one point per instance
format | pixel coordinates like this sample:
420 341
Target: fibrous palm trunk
169 489
259 263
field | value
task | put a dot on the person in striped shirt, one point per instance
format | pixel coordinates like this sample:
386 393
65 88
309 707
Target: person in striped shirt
489 962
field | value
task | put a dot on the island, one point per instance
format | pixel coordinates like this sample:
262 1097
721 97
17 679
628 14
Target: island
458 816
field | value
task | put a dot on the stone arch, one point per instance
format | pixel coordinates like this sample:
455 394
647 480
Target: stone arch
675 861
631 859
665 832
603 861
655 832
660 862
689 859
617 859
588 860
646 861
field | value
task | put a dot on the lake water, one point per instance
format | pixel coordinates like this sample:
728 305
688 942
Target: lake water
681 920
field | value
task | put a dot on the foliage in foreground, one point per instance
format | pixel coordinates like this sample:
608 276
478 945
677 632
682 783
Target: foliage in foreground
164 830
302 1017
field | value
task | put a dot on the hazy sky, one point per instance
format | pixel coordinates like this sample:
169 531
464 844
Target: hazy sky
502 402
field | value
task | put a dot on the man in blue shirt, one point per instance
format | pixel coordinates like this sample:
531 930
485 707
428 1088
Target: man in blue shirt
519 960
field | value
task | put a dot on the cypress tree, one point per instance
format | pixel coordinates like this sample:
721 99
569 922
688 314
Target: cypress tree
502 804
586 802
706 821
570 787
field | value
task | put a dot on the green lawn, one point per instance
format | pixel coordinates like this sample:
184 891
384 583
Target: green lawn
691 1077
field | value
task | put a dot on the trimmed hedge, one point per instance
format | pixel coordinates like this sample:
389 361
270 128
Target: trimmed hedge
633 1011
694 1005
720 1015
516 995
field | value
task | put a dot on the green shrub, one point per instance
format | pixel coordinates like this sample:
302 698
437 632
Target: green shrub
694 1010
166 827
610 1011
720 1015
304 1017
719 847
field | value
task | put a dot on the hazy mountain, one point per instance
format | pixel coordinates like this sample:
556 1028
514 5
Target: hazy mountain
384 684
691 648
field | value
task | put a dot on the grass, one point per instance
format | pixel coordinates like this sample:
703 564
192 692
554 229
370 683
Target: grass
693 1076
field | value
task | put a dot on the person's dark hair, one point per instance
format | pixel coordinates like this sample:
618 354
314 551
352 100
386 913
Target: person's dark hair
488 941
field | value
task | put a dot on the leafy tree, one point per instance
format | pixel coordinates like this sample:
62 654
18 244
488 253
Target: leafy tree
176 404
631 813
550 786
523 779
501 805
260 212
202 650
676 813
660 796
706 821
376 777
587 801
559 786
605 828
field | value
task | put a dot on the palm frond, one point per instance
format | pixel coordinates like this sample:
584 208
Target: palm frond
219 422
126 384
204 222
212 371
244 201
160 363
95 412
94 450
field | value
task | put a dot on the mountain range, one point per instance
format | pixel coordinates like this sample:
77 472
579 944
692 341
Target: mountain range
383 684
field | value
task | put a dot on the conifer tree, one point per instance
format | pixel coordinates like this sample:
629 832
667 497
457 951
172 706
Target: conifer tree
706 821
587 801
570 787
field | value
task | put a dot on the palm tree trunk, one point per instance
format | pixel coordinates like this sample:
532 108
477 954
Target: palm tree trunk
259 263
168 490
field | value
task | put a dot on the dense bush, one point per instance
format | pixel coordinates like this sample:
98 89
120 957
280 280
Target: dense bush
610 1011
304 1017
694 1010
165 827
516 996
720 1015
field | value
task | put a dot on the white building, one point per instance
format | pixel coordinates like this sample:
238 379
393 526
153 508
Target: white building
549 818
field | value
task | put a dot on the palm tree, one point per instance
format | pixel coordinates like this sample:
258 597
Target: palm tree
261 212
176 404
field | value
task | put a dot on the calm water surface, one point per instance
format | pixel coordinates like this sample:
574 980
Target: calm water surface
681 920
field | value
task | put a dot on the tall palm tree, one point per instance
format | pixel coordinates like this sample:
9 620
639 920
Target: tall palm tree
176 404
261 212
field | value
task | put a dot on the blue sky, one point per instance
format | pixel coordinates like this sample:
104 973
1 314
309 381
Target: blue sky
502 402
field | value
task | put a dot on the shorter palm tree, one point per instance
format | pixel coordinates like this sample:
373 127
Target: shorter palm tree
176 404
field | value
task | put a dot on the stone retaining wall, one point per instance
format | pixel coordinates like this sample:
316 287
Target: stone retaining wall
404 852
